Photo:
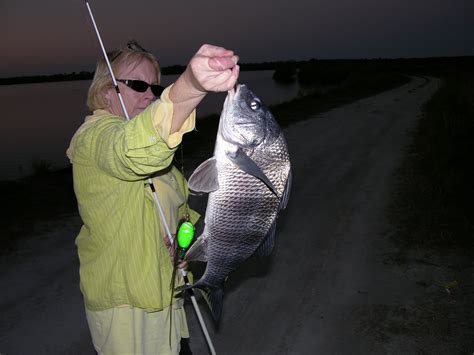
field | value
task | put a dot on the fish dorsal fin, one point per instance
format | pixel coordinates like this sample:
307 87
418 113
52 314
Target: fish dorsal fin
266 246
204 178
245 163
286 191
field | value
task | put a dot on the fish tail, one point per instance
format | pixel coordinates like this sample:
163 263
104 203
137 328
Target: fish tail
214 297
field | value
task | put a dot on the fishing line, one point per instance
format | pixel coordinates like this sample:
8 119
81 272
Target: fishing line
185 232
186 228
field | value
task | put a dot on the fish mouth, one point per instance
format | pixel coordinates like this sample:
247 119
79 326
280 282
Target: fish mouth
232 95
234 91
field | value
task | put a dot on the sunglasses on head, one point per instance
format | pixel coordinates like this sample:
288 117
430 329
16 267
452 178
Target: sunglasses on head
142 86
133 46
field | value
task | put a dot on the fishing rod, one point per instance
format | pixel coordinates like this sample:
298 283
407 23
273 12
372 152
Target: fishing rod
186 230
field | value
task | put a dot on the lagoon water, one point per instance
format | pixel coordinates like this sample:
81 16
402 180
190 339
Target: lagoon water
40 119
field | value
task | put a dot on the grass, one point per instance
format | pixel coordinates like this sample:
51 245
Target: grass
432 211
432 204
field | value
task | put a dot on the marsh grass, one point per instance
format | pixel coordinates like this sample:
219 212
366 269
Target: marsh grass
432 211
433 200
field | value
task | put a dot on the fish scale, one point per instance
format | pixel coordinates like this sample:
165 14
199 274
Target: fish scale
248 180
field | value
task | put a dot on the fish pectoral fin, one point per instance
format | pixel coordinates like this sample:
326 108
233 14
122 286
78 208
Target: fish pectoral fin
266 246
198 251
204 178
286 191
246 164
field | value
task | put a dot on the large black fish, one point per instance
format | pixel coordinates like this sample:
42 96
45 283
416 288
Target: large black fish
248 180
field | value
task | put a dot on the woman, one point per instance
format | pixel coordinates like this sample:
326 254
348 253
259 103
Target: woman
125 264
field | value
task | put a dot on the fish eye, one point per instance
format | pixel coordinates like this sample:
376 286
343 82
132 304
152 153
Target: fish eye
255 105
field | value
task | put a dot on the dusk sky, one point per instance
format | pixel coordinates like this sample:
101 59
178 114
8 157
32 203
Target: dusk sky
56 36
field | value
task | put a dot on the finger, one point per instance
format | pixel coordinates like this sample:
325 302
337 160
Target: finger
225 81
231 76
236 72
223 63
214 51
232 79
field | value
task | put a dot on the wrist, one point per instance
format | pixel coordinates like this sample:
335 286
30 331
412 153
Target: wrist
189 86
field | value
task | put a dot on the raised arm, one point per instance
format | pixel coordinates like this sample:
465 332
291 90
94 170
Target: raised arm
211 69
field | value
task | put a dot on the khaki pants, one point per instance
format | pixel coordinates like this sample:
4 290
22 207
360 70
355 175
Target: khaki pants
133 331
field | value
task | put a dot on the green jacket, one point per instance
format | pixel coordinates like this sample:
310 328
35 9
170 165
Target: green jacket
123 258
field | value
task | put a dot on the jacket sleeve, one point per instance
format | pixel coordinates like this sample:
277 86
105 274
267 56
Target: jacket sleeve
132 150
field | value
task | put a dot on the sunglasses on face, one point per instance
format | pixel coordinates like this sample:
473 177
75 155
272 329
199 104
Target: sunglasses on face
142 86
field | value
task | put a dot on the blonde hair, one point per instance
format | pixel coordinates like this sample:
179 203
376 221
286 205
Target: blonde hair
132 54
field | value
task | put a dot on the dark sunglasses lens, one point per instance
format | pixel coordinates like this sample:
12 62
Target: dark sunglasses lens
142 86
157 90
138 85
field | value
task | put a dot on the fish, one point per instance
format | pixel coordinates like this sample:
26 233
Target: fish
248 180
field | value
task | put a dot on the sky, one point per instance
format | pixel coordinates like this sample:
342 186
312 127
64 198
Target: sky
56 36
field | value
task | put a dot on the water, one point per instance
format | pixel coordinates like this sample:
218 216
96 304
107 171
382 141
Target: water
40 119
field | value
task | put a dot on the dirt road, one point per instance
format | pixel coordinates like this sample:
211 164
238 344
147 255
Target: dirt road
328 265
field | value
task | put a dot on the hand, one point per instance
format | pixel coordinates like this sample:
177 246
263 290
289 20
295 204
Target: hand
212 69
183 264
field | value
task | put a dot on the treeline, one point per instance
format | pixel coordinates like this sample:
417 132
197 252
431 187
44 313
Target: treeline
86 75
324 72
327 73
83 75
